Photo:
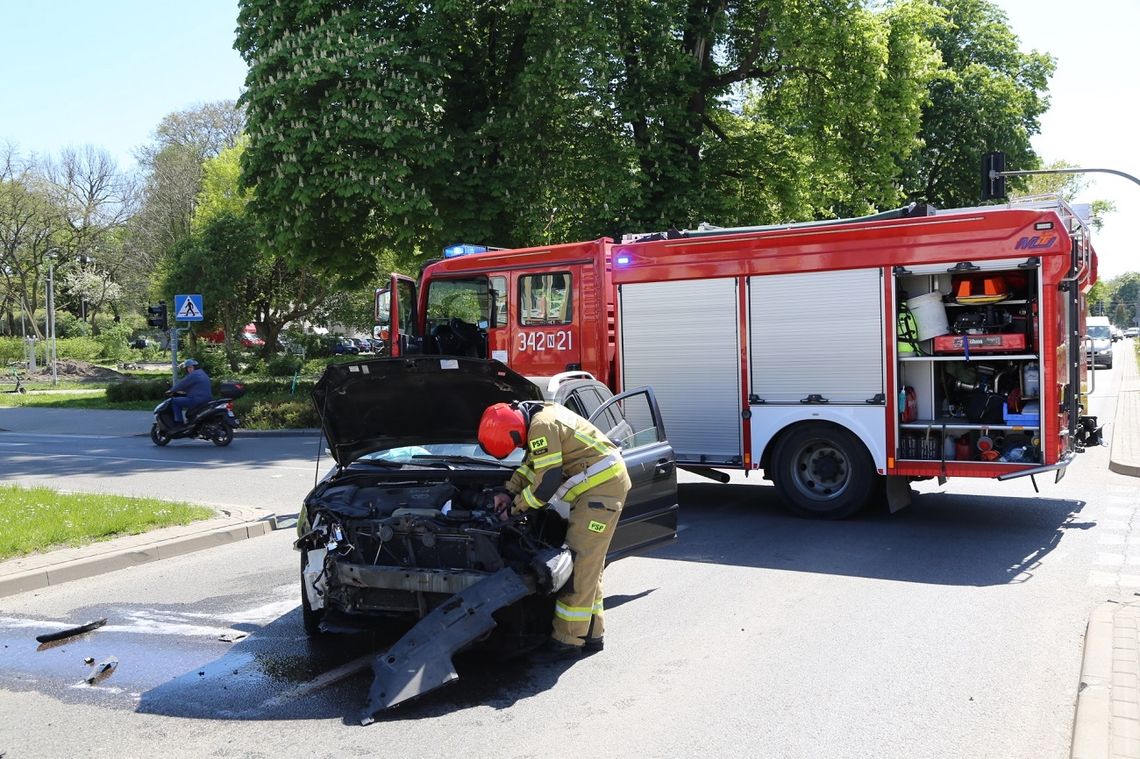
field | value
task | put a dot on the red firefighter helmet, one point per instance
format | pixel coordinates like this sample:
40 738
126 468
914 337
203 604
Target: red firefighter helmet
501 430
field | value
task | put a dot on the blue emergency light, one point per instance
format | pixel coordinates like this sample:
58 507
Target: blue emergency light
622 259
463 249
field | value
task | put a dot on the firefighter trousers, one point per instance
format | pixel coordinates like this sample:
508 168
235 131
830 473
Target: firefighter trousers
593 519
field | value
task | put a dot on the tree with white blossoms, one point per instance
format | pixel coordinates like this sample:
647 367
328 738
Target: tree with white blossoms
384 125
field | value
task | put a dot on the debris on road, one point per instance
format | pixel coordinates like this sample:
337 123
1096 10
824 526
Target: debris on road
101 671
71 632
232 636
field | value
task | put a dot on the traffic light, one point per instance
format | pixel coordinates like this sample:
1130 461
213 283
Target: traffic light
156 316
993 187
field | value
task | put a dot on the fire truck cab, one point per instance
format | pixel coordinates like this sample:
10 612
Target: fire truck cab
542 311
843 358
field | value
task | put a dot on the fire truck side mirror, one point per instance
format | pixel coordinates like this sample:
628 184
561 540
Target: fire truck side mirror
993 186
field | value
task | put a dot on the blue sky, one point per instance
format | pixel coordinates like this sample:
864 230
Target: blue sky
105 72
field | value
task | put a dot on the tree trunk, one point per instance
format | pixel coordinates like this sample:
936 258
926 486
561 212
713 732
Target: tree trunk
269 331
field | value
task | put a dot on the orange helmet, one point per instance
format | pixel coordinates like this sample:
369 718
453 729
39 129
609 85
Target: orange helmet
501 430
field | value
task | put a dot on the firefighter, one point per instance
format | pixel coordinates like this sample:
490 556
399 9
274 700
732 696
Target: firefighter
571 466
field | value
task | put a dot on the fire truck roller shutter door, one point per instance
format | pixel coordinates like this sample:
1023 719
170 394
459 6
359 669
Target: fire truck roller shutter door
681 338
817 333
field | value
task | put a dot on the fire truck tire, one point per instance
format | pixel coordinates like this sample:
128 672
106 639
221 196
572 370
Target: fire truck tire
822 471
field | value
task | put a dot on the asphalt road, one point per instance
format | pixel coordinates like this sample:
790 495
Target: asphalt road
953 628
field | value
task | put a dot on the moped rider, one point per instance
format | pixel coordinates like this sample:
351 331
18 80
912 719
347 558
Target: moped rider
195 386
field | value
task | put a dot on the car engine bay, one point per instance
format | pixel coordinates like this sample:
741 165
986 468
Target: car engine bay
399 549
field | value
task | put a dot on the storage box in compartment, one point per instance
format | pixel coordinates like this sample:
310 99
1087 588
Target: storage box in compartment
1001 343
1028 420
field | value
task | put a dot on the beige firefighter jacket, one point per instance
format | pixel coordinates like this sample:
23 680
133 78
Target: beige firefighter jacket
566 456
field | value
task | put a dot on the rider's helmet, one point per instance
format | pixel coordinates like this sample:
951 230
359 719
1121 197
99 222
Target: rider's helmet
188 363
501 430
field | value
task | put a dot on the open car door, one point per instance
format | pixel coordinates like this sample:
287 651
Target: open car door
632 421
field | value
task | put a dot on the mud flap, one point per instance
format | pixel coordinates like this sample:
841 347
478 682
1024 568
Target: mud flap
899 493
421 660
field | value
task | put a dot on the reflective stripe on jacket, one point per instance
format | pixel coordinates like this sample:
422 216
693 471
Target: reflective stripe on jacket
566 456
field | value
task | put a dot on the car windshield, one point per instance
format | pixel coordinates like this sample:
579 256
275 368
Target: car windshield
1099 333
410 453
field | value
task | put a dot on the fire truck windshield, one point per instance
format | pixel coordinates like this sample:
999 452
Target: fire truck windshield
468 300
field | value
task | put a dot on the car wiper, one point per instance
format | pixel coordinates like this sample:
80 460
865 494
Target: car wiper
452 459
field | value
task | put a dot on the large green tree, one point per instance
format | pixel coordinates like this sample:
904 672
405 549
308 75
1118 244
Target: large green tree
989 95
383 125
240 278
172 164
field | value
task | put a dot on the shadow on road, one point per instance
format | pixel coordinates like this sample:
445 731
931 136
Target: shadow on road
943 539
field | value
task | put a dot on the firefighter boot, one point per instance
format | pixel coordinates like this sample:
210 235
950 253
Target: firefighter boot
553 651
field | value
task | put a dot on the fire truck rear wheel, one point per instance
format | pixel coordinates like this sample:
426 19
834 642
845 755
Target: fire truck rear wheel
822 471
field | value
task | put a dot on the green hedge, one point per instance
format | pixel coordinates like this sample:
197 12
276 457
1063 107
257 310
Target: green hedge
276 414
134 390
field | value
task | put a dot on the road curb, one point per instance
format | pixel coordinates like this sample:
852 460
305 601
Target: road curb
134 550
300 432
1093 719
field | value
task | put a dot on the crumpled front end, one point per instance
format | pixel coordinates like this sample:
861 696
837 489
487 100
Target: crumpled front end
436 554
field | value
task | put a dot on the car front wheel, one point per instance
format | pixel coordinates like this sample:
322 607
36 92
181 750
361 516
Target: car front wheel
822 471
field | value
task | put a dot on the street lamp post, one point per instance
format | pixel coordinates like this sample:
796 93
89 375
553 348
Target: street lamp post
50 324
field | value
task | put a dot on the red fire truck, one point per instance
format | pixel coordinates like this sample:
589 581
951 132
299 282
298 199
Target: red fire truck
843 358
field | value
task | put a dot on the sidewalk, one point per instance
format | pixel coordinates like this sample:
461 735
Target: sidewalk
62 565
1107 722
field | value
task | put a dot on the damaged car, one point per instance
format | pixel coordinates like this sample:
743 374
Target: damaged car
403 529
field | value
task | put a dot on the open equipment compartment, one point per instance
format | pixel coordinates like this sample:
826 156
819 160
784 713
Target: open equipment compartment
968 343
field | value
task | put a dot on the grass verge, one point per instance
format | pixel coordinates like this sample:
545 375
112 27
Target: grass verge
91 398
37 519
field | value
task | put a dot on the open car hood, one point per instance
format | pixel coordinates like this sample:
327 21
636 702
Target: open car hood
381 403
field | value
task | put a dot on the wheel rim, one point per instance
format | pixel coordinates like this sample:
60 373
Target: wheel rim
821 470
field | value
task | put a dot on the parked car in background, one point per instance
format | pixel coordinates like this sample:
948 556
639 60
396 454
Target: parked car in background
1117 333
342 346
247 338
363 345
1132 332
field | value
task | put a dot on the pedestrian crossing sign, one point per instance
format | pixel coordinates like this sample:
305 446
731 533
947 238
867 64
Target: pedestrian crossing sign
188 308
